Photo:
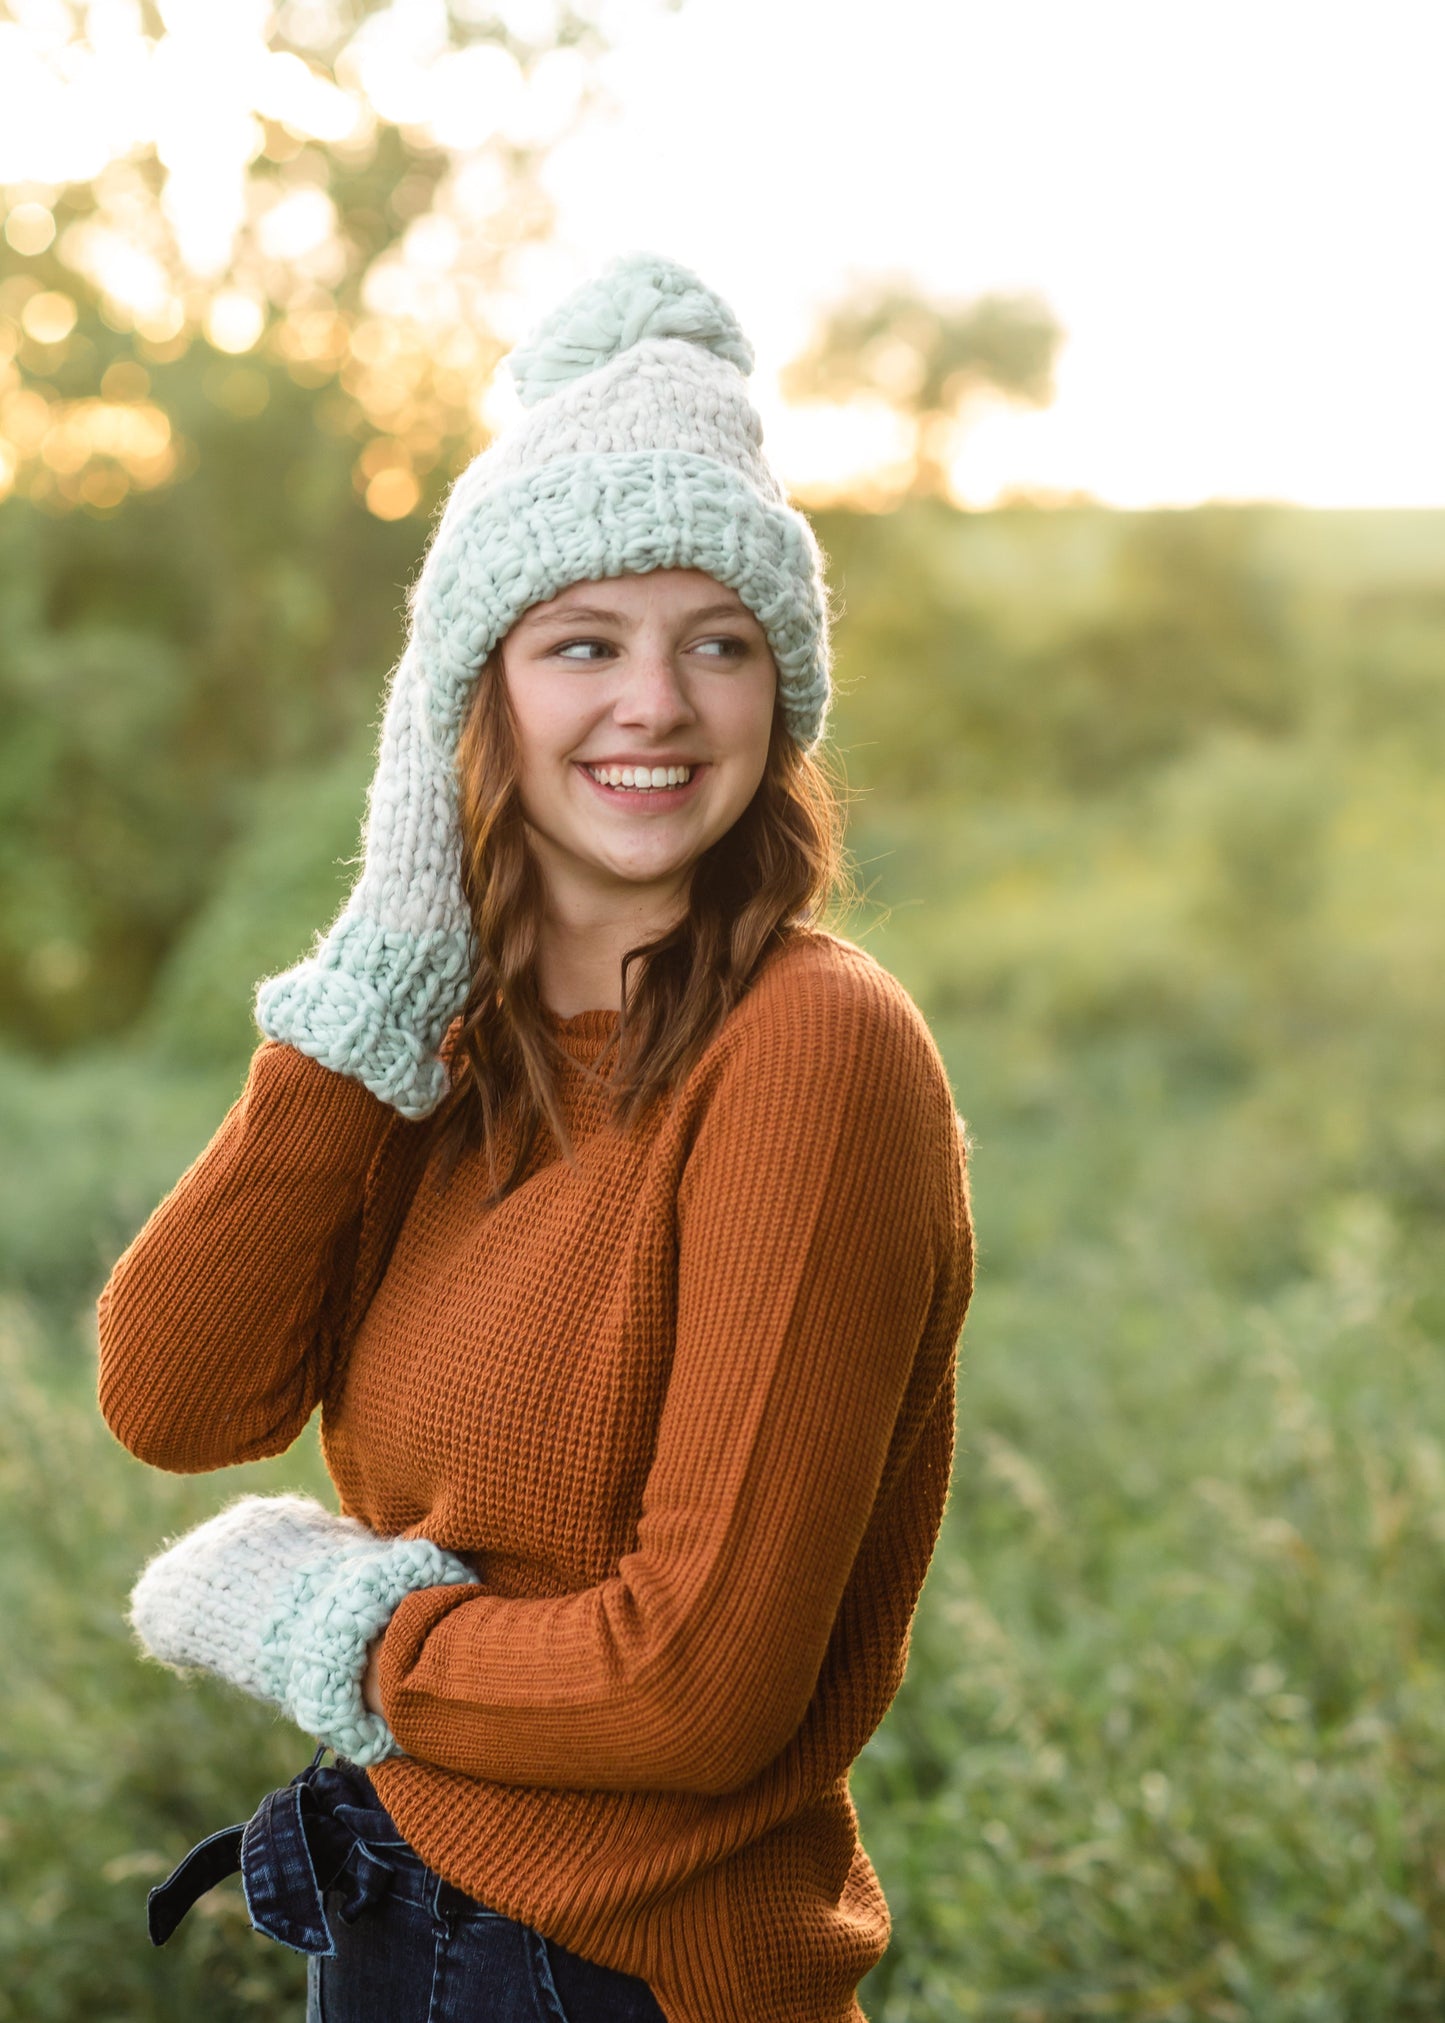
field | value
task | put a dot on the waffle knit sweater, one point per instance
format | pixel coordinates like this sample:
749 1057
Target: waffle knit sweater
688 1410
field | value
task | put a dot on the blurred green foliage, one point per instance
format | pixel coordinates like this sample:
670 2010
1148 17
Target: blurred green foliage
1148 819
156 665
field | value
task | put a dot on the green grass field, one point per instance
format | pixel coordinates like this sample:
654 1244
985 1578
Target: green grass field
1149 821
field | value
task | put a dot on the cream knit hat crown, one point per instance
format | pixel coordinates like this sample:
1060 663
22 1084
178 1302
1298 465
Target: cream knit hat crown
638 449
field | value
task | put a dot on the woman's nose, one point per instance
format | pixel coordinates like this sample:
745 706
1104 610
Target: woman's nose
653 691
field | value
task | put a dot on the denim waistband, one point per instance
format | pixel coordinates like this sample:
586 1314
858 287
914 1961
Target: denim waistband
298 1843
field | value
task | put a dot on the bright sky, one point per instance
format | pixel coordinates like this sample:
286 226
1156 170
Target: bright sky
1234 207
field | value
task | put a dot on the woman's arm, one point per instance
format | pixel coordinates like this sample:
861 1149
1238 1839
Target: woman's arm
219 1323
823 1233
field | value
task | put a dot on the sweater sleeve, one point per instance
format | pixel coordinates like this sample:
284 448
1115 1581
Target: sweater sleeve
822 1221
218 1324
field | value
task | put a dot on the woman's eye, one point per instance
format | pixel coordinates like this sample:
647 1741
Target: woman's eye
724 647
583 649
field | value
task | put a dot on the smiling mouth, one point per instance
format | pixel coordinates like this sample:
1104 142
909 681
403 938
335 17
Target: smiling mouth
664 793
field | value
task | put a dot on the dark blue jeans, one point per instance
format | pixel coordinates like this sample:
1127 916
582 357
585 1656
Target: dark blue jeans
326 1872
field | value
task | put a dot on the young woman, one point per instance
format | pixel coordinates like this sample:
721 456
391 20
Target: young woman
616 1217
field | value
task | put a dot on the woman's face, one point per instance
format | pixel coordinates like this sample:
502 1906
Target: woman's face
669 669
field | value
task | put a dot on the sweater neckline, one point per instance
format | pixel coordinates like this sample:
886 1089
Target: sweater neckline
585 1033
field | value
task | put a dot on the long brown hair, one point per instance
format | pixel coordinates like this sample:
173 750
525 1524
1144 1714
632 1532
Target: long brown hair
780 869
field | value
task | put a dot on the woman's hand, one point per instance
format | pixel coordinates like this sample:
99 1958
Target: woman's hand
371 1682
288 1601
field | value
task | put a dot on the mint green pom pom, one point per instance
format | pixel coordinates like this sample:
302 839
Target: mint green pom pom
640 296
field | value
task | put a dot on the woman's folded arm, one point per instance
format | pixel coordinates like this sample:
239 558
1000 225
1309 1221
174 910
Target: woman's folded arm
822 1230
218 1323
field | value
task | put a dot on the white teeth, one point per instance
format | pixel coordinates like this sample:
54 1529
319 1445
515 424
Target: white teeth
641 777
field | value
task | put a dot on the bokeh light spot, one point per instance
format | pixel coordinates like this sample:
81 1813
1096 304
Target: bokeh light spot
125 380
235 321
103 487
392 494
48 317
30 229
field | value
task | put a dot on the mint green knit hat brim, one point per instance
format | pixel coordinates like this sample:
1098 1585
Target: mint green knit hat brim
583 518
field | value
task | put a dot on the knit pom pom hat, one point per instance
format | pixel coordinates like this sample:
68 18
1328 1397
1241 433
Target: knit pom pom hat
638 449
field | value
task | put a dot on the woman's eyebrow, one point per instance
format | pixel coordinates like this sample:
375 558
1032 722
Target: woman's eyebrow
720 611
569 614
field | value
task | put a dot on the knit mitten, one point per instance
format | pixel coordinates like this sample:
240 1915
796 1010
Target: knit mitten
283 1598
374 997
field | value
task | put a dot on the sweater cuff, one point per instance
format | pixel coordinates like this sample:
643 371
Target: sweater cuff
337 1117
373 1004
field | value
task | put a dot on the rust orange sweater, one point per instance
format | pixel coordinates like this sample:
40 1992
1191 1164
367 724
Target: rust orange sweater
687 1408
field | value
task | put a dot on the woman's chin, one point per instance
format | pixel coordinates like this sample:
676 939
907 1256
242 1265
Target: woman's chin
661 876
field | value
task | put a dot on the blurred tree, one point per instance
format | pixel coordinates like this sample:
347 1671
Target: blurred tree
219 439
158 658
930 362
342 186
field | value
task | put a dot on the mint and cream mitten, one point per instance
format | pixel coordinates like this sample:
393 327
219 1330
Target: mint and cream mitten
283 1598
381 986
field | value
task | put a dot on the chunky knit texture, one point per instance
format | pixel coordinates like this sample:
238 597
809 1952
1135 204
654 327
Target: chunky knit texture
688 1407
637 298
638 450
283 1598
